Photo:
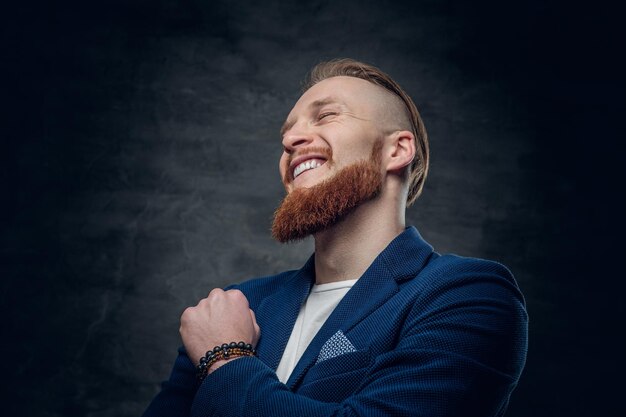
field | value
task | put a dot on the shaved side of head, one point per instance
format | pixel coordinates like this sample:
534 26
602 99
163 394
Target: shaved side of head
397 111
392 111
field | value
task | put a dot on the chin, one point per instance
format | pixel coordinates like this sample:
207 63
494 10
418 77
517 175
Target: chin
316 204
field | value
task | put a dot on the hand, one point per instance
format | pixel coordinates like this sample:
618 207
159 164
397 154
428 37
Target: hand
222 317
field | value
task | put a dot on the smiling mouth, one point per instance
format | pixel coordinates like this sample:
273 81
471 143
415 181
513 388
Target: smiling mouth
307 166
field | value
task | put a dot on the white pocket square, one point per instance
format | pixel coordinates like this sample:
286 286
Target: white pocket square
338 344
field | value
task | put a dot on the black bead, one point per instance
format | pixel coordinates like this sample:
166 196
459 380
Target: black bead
248 346
217 349
241 345
233 345
225 346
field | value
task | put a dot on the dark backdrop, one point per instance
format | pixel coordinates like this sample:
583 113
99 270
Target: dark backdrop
139 169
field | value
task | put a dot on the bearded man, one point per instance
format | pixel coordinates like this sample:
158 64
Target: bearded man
376 323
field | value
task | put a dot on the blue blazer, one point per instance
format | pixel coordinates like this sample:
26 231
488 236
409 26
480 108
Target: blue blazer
419 334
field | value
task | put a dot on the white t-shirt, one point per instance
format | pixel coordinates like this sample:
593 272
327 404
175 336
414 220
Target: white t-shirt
320 303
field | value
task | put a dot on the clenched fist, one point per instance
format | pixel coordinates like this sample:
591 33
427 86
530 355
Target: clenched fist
222 317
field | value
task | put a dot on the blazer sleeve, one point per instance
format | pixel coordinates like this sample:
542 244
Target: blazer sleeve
178 392
461 352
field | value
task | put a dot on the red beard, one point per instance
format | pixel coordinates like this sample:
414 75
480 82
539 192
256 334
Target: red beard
306 211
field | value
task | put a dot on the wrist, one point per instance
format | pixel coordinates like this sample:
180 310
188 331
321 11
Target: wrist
222 354
220 363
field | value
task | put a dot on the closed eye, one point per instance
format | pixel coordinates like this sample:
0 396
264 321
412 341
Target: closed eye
325 115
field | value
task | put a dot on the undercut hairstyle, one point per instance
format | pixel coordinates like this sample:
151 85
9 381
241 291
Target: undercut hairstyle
418 169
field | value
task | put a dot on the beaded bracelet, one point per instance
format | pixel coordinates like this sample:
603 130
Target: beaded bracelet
226 351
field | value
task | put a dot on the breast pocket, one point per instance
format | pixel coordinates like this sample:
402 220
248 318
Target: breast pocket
336 378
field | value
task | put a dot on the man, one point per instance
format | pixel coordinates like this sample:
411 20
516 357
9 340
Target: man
376 323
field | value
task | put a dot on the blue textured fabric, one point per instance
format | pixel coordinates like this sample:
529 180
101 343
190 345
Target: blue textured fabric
420 334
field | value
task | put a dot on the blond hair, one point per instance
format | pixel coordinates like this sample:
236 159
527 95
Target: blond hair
351 68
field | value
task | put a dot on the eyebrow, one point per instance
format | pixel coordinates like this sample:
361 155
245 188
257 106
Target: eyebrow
315 105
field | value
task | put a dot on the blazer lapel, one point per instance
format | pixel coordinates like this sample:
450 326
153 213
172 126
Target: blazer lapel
403 258
277 314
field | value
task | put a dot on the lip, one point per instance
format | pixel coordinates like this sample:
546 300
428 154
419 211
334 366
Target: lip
297 161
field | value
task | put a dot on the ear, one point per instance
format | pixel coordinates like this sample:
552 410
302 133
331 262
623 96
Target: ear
399 150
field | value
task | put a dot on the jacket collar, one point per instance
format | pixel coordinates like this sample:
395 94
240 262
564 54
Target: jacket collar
401 260
277 313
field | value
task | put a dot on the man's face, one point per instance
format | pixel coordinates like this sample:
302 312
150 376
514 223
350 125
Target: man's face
333 125
332 158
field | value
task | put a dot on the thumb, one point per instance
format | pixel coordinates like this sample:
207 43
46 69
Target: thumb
257 329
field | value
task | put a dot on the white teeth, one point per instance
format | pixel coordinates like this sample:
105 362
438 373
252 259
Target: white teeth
310 164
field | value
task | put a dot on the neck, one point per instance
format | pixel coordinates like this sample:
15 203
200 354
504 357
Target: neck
345 250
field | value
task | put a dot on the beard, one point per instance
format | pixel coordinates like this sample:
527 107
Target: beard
307 211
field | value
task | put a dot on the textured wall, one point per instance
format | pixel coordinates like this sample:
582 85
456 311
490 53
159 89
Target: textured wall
139 164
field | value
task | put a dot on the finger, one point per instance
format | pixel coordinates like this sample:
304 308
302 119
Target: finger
186 314
257 329
238 297
215 292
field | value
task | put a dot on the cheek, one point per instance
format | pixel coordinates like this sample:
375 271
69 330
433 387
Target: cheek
282 165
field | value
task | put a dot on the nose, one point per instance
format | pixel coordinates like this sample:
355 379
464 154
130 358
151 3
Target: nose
295 138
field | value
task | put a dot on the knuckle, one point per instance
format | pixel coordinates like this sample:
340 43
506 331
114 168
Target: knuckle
215 292
186 313
238 296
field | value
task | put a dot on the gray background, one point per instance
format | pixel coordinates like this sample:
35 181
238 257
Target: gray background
139 168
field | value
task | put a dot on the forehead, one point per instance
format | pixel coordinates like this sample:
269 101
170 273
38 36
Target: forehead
350 91
354 95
